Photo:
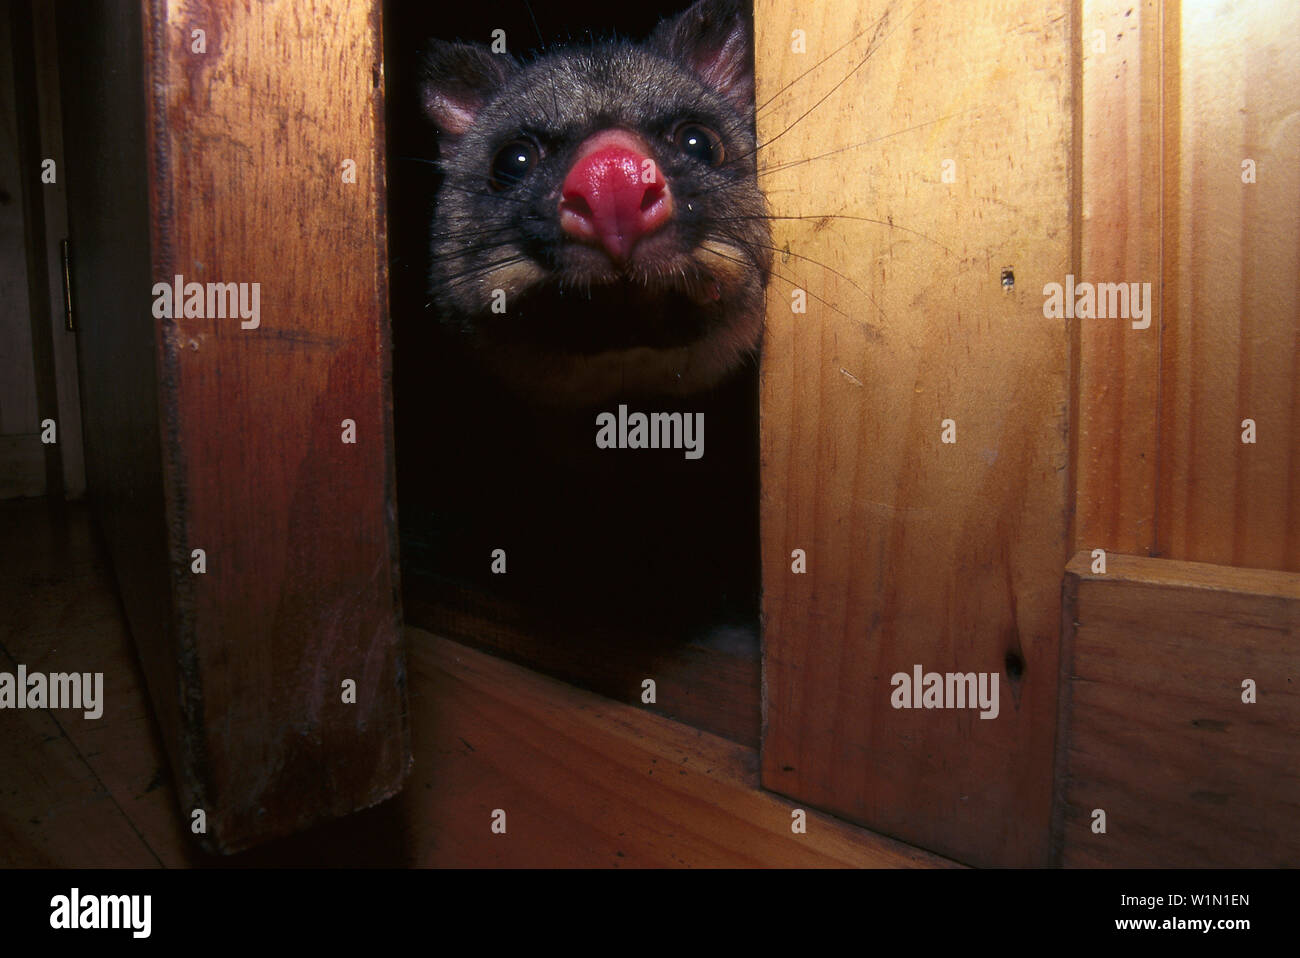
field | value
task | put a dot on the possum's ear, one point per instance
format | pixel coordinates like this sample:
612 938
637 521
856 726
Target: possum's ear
713 39
457 79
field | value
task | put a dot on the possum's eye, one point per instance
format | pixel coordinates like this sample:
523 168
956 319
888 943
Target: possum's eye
512 163
699 142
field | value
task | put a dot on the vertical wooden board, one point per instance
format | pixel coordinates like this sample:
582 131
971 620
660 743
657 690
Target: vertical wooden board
225 165
1119 366
1231 347
251 137
918 552
1158 736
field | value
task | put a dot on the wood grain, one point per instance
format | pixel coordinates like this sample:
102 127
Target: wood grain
587 782
1232 271
63 615
1157 734
711 681
54 812
918 552
1120 159
228 439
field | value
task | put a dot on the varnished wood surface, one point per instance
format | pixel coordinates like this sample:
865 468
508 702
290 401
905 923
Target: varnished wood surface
1119 151
949 556
1156 734
1231 344
226 164
711 681
1171 109
585 782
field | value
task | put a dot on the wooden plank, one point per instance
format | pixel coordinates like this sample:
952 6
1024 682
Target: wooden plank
63 615
239 431
1119 366
710 681
586 782
1231 346
54 812
918 552
1157 735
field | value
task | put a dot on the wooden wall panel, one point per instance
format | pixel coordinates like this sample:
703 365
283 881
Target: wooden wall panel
1120 196
1158 737
918 552
237 434
1231 347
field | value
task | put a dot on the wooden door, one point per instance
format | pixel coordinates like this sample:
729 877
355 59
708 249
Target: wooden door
238 438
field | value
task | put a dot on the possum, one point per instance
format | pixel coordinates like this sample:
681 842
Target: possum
599 230
597 245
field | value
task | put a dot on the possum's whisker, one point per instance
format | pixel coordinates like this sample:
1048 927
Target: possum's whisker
839 216
763 171
478 233
555 100
872 47
481 270
806 259
465 254
762 106
794 285
470 191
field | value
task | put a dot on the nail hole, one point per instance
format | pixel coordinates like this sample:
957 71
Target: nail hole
1008 279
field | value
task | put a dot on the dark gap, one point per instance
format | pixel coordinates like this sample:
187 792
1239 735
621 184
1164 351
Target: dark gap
626 565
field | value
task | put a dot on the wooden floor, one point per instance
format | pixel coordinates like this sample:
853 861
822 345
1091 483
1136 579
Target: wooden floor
583 781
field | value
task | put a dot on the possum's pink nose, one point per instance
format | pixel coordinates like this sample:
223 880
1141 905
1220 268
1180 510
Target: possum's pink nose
614 194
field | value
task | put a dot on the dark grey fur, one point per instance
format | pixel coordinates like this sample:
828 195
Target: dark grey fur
568 311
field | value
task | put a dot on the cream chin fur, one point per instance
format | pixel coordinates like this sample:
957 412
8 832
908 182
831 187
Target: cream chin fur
565 380
568 380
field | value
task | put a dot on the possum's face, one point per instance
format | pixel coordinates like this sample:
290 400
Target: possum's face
599 230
